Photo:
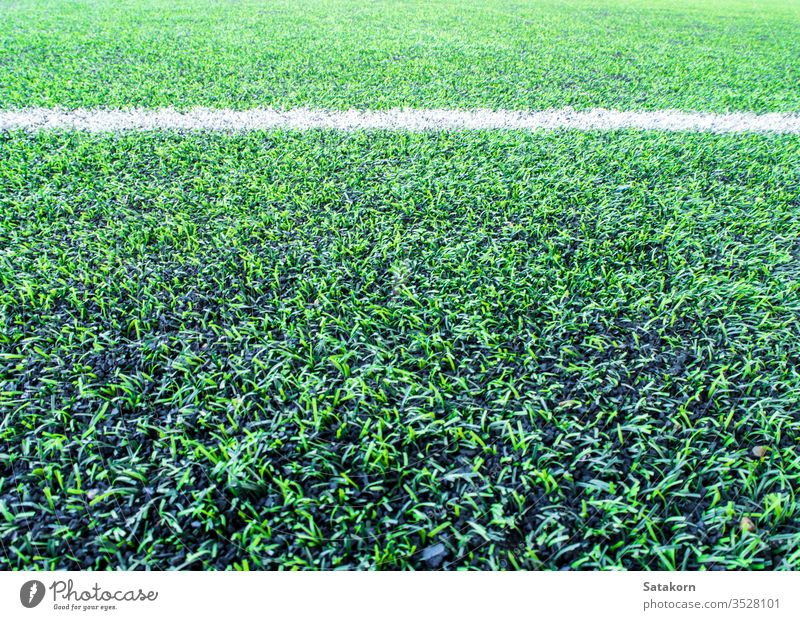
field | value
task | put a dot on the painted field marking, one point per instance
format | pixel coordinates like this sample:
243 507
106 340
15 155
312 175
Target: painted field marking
414 120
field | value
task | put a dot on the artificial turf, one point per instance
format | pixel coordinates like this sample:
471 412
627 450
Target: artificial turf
714 55
487 350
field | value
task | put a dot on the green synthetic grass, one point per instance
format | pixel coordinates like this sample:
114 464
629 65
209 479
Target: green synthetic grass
384 350
714 55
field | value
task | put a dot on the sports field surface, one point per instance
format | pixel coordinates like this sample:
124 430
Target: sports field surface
436 347
708 55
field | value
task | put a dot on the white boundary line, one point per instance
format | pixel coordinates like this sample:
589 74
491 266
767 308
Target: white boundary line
207 119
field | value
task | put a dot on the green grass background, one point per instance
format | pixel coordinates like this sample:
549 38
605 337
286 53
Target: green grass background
712 55
383 350
338 350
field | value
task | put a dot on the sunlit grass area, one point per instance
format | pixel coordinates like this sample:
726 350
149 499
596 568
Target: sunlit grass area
712 55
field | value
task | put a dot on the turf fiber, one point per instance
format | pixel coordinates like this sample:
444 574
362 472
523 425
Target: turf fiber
383 350
711 55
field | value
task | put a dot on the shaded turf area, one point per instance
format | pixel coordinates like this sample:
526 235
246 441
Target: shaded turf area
385 350
715 55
